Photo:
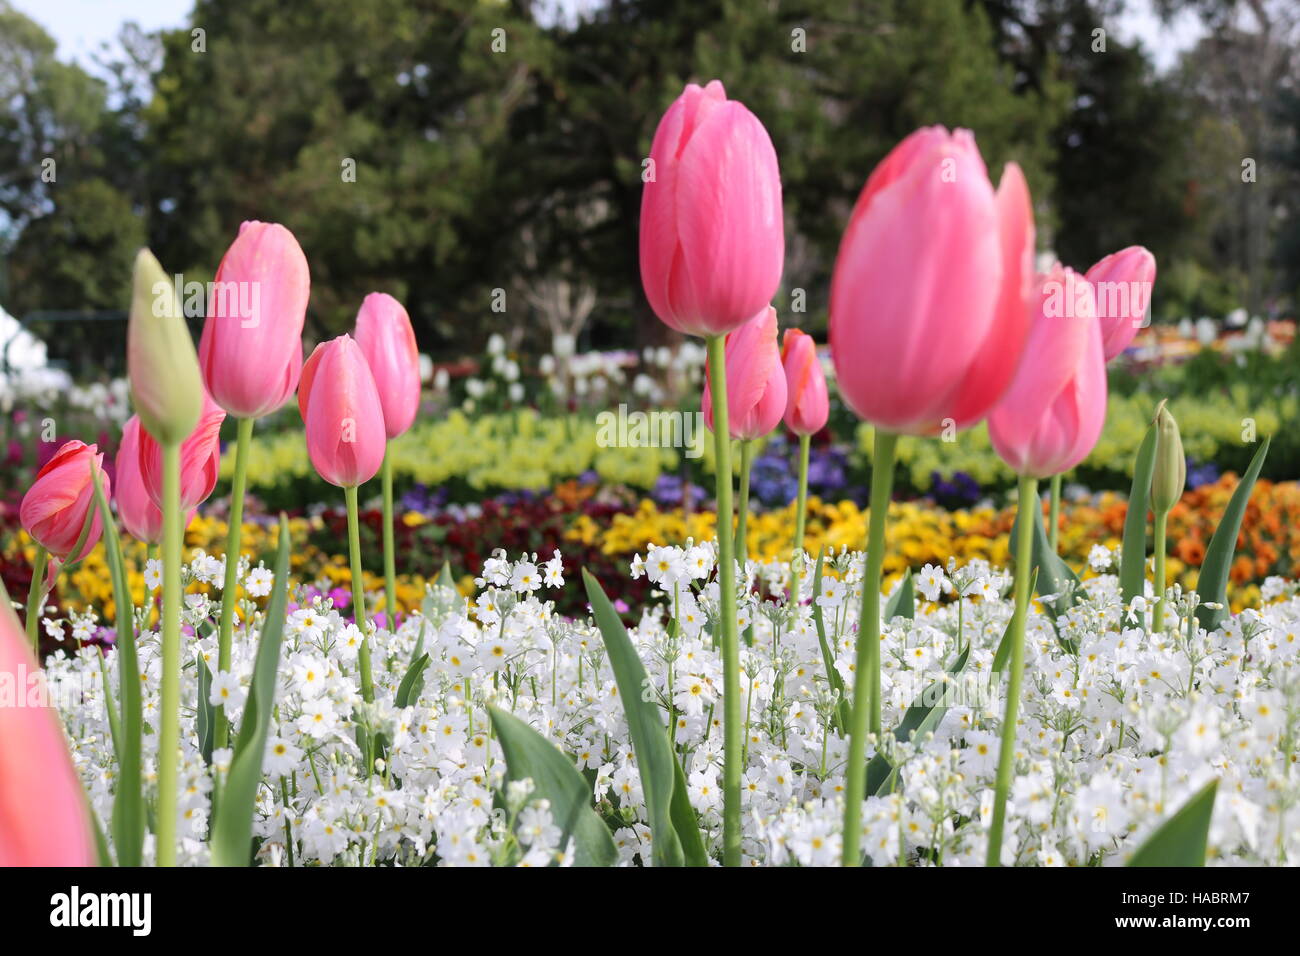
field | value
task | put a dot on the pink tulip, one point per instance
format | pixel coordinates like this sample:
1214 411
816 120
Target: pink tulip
712 234
930 297
387 340
43 816
1052 415
806 406
251 350
756 389
200 459
340 406
1122 284
55 507
136 509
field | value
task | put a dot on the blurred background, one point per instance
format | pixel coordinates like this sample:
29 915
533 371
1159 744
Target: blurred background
481 161
520 169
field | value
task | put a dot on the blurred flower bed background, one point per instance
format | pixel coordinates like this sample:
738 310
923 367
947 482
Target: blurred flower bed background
490 465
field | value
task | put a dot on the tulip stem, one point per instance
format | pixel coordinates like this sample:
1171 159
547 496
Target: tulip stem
731 723
1054 529
1006 753
390 564
800 517
359 594
169 717
865 716
35 598
742 506
229 591
1158 616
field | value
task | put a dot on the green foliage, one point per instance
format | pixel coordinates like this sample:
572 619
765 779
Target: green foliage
1181 840
530 756
1213 581
1212 428
232 820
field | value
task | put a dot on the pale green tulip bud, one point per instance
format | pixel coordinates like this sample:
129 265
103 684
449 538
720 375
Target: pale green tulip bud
166 387
1170 472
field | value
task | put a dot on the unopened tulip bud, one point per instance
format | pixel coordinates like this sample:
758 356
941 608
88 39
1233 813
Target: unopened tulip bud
1170 472
162 365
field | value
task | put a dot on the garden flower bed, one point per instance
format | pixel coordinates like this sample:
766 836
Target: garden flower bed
1111 739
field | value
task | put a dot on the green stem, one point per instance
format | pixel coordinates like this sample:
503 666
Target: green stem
169 716
359 594
742 507
390 564
1158 619
1054 529
1006 753
800 516
229 595
731 724
865 716
35 598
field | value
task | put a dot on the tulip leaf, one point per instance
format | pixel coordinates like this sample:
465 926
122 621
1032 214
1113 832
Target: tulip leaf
128 815
206 713
654 754
530 755
685 822
903 601
445 580
1182 839
1212 584
1003 653
833 677
412 682
232 824
1133 552
920 718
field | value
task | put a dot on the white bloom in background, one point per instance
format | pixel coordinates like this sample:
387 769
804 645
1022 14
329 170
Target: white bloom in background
318 718
309 675
496 345
282 757
1100 558
308 623
226 692
554 572
153 574
259 580
931 582
525 578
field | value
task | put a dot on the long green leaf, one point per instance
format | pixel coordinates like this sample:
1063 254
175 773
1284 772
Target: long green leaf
1181 840
206 713
445 580
1003 653
555 778
1133 552
232 825
654 755
919 719
903 601
685 822
128 814
409 689
841 715
1212 584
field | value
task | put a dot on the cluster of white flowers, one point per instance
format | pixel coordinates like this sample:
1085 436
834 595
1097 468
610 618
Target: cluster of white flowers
1121 721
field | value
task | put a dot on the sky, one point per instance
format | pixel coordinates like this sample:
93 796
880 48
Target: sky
80 26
